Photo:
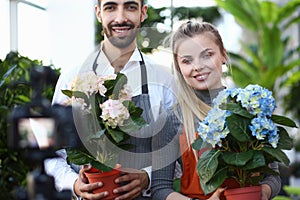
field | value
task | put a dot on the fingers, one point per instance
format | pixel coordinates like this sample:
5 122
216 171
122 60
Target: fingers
91 196
136 183
84 189
90 187
118 166
220 190
216 195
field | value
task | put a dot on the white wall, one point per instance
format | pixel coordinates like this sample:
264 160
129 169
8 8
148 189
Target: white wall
4 28
71 25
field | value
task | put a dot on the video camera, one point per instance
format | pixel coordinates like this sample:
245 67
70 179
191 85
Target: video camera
38 129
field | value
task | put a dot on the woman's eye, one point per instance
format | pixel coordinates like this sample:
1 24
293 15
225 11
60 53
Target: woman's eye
207 55
186 61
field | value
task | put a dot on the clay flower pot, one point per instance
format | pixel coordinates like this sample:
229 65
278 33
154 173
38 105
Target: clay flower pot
245 193
107 178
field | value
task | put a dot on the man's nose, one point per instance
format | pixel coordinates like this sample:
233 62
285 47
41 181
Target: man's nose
121 16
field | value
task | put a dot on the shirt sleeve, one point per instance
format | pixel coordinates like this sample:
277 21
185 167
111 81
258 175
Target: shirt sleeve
58 167
147 192
63 174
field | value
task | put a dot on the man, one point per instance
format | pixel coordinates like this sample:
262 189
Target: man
152 87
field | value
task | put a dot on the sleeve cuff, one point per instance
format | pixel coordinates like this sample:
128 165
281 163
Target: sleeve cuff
147 192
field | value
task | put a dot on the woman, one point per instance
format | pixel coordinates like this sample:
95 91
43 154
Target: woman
198 54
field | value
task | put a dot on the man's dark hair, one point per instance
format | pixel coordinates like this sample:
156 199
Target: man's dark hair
142 1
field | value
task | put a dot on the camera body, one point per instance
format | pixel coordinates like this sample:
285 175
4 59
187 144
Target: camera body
37 130
42 128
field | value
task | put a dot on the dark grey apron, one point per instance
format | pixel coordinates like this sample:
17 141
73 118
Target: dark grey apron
140 156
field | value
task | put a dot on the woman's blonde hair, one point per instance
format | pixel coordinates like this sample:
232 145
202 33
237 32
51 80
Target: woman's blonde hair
191 106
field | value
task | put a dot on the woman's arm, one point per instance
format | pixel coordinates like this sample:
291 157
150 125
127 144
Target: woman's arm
271 184
166 150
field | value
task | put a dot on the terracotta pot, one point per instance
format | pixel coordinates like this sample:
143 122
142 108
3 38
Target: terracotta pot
246 193
108 180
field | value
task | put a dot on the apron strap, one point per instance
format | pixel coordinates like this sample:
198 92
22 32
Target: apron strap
143 75
95 65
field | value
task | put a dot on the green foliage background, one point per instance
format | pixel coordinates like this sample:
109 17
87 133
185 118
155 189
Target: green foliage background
14 91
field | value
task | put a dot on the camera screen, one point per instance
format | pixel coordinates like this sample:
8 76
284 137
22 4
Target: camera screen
36 132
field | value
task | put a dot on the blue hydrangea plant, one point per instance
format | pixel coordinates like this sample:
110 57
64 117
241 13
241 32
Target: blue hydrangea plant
245 137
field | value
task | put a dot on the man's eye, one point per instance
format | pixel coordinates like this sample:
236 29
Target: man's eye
109 8
132 7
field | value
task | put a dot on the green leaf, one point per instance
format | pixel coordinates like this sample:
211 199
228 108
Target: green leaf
97 135
126 146
238 127
114 86
254 180
197 144
237 159
285 141
237 109
240 13
217 179
133 110
283 121
78 157
24 98
117 135
133 124
287 10
100 166
76 94
8 73
207 164
67 92
257 160
272 47
269 11
277 154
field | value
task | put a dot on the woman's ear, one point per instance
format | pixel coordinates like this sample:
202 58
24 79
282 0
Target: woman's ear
224 56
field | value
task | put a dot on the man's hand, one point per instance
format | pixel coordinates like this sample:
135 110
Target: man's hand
136 181
83 189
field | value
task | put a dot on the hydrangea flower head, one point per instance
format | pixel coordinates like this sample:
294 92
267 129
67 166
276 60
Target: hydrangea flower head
256 100
214 127
114 113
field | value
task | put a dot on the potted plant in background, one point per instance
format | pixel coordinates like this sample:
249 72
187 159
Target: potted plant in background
241 129
105 118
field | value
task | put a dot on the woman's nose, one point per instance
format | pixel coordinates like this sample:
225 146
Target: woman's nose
198 66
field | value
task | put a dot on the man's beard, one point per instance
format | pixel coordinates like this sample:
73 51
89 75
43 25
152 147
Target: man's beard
121 42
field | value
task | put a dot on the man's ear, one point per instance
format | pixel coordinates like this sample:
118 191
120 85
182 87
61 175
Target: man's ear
144 12
98 13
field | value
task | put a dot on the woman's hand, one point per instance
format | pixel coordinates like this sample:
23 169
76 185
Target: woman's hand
216 195
265 192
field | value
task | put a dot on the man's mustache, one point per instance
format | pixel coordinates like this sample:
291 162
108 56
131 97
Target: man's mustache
121 25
